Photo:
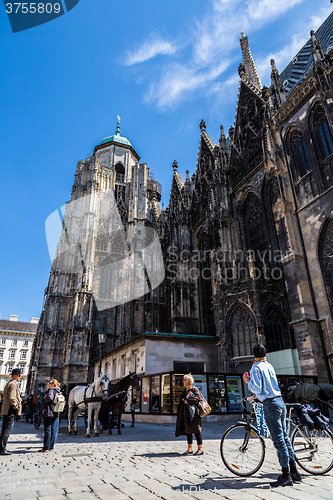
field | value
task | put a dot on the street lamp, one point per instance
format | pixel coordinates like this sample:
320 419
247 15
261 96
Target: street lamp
101 340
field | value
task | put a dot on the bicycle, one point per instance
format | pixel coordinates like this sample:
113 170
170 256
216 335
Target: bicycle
243 450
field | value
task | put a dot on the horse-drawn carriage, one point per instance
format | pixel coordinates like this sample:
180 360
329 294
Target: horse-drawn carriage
102 401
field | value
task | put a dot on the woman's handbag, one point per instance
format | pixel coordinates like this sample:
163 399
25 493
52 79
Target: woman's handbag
204 408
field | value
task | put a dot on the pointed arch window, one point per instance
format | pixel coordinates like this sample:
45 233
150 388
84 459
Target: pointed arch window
299 153
253 220
275 331
102 242
118 244
242 332
105 283
326 257
323 133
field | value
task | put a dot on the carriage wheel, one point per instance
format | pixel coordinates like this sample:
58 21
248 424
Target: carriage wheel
38 414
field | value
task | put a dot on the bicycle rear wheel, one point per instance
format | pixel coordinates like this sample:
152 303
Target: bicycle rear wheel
313 449
242 450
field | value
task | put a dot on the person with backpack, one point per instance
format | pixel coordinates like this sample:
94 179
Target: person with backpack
51 417
188 416
263 383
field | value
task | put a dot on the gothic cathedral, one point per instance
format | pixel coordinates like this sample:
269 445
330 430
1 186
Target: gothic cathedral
243 252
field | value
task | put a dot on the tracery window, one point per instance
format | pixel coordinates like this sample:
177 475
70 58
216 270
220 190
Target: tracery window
299 153
105 283
118 244
102 242
326 255
254 153
274 330
242 332
255 232
323 133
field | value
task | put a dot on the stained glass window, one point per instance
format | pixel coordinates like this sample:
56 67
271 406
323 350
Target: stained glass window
275 332
299 153
327 259
323 133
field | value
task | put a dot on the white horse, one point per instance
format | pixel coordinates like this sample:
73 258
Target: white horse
79 398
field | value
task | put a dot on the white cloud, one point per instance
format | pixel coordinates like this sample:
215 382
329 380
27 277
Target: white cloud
152 47
210 49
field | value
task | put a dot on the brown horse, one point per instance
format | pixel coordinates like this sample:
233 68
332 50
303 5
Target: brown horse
112 409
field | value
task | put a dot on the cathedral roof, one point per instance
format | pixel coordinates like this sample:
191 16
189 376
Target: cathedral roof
301 65
116 137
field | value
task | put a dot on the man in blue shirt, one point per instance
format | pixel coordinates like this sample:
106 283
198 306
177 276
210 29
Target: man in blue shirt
263 383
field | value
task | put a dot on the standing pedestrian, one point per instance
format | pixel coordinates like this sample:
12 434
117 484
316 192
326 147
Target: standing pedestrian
188 417
132 408
263 383
11 406
51 418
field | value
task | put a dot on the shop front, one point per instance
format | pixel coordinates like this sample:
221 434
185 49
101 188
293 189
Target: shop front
158 398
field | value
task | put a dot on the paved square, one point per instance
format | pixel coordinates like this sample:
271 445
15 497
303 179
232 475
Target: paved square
145 462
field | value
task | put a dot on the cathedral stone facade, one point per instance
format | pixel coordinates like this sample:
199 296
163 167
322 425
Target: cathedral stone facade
246 241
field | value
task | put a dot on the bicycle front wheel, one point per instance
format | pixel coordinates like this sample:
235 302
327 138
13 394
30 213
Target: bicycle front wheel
242 450
313 449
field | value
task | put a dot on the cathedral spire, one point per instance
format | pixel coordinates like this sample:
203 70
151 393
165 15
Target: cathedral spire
277 87
118 126
317 52
251 72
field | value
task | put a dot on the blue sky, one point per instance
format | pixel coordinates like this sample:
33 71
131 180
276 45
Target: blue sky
161 65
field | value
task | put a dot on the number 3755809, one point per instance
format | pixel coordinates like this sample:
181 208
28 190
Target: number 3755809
32 8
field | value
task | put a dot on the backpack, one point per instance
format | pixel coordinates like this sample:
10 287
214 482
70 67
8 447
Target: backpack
59 403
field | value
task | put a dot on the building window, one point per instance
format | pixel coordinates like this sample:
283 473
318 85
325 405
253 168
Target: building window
275 331
180 367
299 153
0 367
23 354
255 232
14 343
242 333
114 368
22 368
326 260
10 367
12 354
123 365
323 133
106 286
1 353
19 383
3 341
26 343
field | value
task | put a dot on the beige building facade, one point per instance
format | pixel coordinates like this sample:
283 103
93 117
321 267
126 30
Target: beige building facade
16 341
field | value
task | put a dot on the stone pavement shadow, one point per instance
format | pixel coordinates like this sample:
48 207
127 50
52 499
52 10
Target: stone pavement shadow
152 455
219 483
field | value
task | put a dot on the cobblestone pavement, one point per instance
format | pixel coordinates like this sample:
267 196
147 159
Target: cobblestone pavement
145 462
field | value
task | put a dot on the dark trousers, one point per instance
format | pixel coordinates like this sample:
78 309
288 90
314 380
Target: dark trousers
198 437
51 428
7 427
133 417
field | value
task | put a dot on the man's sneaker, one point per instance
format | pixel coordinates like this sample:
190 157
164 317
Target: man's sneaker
296 477
282 481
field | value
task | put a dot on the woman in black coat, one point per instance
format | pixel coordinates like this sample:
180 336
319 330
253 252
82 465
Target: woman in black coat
188 418
51 418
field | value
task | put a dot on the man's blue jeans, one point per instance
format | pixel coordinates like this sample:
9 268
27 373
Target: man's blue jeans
51 428
275 415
